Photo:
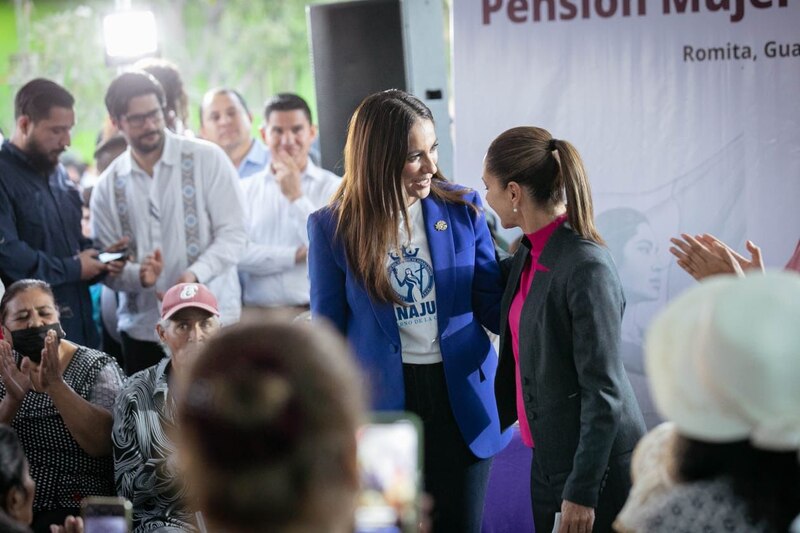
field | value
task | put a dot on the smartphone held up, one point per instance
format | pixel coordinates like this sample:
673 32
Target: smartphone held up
106 515
390 467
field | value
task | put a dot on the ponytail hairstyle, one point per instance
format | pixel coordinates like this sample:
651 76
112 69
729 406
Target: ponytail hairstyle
548 169
370 203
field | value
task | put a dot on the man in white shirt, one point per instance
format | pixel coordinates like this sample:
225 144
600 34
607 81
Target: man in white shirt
279 200
226 121
179 202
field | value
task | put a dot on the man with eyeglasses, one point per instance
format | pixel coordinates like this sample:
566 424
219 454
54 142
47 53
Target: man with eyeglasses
178 201
40 212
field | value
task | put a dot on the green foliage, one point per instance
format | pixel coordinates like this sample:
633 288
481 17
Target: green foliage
257 47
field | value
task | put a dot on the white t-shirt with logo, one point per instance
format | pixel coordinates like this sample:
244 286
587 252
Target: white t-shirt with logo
411 276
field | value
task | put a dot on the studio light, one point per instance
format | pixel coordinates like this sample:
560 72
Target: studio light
129 36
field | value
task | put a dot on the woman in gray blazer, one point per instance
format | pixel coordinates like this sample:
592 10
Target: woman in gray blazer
560 371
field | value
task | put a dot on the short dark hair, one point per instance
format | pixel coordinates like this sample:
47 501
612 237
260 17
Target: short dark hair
128 86
168 75
286 102
222 90
38 96
767 481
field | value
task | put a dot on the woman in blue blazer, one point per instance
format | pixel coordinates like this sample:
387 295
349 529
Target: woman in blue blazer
560 371
402 263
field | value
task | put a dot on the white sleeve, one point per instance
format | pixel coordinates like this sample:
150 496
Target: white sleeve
265 259
106 230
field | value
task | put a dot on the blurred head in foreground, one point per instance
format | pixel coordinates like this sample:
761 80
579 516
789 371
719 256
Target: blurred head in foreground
724 365
267 418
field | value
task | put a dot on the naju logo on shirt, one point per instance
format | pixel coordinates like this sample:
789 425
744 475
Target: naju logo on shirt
410 276
412 279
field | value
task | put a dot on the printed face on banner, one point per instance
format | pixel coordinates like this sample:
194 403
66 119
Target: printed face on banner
640 267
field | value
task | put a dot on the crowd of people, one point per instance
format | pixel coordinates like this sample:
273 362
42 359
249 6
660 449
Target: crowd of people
208 419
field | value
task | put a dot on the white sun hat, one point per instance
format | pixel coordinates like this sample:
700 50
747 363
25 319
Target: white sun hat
724 360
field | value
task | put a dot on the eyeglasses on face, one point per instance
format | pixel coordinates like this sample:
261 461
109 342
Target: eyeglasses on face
138 120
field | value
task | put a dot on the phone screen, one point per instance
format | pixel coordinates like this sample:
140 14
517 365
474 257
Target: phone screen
106 515
107 257
105 524
389 459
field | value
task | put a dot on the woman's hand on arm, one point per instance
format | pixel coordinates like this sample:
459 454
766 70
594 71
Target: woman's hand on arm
89 424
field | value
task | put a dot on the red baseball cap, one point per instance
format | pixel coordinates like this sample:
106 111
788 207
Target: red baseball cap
185 295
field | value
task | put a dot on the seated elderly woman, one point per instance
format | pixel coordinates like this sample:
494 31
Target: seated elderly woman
724 367
266 429
58 396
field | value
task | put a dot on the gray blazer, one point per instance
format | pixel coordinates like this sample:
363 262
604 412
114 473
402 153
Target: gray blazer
578 400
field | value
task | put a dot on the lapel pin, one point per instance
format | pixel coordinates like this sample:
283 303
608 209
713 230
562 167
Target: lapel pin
441 225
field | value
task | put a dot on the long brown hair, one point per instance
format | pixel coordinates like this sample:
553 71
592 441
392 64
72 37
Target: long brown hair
545 167
369 203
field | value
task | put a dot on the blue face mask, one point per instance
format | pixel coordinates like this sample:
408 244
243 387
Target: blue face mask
30 341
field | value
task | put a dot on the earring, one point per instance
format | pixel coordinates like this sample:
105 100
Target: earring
515 209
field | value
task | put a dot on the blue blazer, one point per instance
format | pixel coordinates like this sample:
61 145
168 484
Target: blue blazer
468 293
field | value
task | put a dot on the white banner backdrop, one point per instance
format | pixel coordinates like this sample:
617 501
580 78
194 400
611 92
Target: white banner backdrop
688 119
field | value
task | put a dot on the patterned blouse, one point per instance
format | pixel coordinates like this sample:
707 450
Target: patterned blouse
708 506
63 471
143 466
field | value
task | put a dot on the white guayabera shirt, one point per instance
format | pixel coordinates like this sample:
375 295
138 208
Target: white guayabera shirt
191 209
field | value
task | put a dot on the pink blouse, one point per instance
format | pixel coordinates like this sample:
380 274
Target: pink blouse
538 240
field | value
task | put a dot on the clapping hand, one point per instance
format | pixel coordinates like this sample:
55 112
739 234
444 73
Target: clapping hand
754 263
48 372
705 255
150 269
16 380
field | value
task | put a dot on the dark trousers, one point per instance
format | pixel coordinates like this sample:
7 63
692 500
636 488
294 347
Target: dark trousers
139 355
547 490
454 477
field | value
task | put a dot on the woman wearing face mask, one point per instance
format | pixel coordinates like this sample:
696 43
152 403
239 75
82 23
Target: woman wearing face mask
58 396
403 264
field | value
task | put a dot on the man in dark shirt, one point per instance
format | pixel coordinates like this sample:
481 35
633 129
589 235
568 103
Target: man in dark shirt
40 213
